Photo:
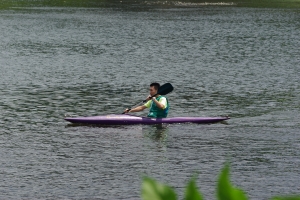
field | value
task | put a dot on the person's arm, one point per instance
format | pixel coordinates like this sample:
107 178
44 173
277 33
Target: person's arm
137 109
161 103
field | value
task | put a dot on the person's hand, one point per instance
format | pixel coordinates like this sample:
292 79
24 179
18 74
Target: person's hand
149 98
127 110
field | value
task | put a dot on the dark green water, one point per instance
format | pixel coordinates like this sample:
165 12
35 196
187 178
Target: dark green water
221 60
149 4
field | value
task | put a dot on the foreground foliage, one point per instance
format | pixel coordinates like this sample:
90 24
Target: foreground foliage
153 190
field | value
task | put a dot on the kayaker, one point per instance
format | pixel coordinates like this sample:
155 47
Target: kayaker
159 105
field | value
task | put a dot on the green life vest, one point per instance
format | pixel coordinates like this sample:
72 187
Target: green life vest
156 112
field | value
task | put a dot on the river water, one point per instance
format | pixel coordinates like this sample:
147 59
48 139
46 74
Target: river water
221 60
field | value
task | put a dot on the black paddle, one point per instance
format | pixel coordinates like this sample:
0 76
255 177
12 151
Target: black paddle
162 90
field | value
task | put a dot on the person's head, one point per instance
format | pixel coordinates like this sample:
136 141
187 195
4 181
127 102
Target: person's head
154 88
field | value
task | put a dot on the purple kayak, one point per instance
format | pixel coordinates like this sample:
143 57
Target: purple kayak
131 119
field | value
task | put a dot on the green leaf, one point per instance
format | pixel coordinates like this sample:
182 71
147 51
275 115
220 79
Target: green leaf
191 191
225 190
287 198
152 190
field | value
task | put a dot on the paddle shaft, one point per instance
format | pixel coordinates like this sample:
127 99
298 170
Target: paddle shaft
144 101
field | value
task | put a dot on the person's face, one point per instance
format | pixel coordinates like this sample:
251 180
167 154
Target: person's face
152 91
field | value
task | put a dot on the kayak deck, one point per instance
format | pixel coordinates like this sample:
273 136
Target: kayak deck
131 119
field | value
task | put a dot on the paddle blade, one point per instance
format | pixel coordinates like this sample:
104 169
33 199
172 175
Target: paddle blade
165 89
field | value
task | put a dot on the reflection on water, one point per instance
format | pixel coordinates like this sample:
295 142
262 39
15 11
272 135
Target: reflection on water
158 132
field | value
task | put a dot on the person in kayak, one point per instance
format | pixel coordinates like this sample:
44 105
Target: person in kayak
159 105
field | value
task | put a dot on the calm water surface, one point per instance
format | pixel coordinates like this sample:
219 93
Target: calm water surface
240 62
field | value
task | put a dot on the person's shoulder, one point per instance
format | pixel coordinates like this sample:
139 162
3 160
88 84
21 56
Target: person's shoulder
148 103
163 98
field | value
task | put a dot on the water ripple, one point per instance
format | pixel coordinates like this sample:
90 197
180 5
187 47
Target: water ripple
241 62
